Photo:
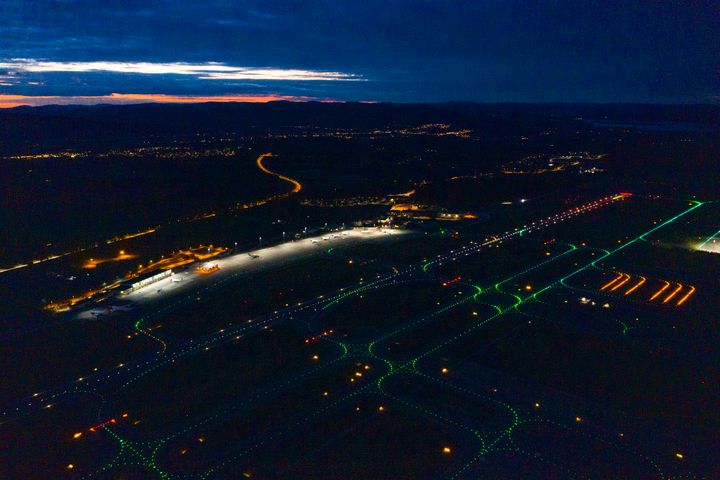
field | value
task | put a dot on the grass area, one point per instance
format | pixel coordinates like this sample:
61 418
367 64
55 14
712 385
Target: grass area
42 445
359 441
648 385
263 292
220 375
64 352
418 338
235 430
372 313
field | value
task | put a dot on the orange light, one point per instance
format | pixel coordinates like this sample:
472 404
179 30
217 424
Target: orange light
77 435
528 287
687 295
446 450
659 292
578 419
621 283
381 408
680 456
612 281
674 292
70 466
444 370
636 286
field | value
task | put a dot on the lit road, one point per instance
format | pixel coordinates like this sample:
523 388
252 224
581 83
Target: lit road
296 185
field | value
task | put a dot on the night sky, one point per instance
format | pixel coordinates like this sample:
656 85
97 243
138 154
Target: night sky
112 51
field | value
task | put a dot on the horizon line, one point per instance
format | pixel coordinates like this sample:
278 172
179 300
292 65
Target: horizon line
10 101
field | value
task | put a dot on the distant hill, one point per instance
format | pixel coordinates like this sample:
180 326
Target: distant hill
25 129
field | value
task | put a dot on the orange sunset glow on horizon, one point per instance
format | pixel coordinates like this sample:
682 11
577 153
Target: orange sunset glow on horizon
11 101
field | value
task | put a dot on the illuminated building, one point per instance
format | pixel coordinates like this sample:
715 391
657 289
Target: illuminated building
144 280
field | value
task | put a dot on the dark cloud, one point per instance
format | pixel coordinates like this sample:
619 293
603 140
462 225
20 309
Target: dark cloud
407 50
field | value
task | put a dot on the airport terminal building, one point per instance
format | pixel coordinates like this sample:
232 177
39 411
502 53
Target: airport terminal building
144 280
